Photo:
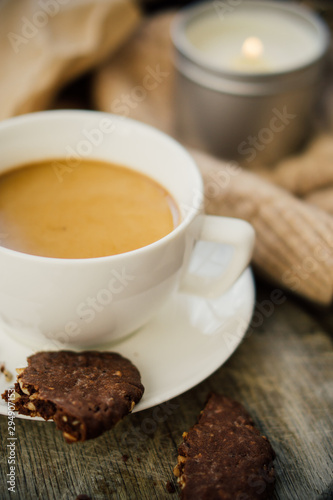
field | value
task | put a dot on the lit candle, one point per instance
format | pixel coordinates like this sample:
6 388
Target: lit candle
253 37
247 78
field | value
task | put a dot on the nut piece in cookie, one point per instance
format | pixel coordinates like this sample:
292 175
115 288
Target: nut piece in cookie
224 456
85 393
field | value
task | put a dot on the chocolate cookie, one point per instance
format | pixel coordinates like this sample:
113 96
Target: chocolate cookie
224 456
85 393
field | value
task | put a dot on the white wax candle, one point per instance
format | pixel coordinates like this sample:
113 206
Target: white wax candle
288 40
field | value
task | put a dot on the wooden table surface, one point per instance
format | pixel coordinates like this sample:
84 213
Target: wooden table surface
282 373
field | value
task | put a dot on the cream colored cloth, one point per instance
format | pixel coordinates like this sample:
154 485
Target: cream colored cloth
294 243
46 43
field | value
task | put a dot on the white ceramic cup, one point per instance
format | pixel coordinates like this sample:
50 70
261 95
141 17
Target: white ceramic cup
48 301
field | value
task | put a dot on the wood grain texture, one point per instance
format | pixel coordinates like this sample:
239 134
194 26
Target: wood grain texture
282 373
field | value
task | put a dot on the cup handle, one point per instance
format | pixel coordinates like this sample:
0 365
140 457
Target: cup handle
228 231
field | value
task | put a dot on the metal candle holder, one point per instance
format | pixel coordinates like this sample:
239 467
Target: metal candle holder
251 116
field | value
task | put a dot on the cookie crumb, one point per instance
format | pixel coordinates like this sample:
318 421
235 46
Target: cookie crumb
170 487
7 374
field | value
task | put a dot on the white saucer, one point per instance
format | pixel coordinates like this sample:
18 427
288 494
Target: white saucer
187 340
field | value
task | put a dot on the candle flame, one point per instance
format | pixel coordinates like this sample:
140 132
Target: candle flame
252 48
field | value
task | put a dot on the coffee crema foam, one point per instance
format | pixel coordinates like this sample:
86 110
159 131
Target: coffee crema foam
99 209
